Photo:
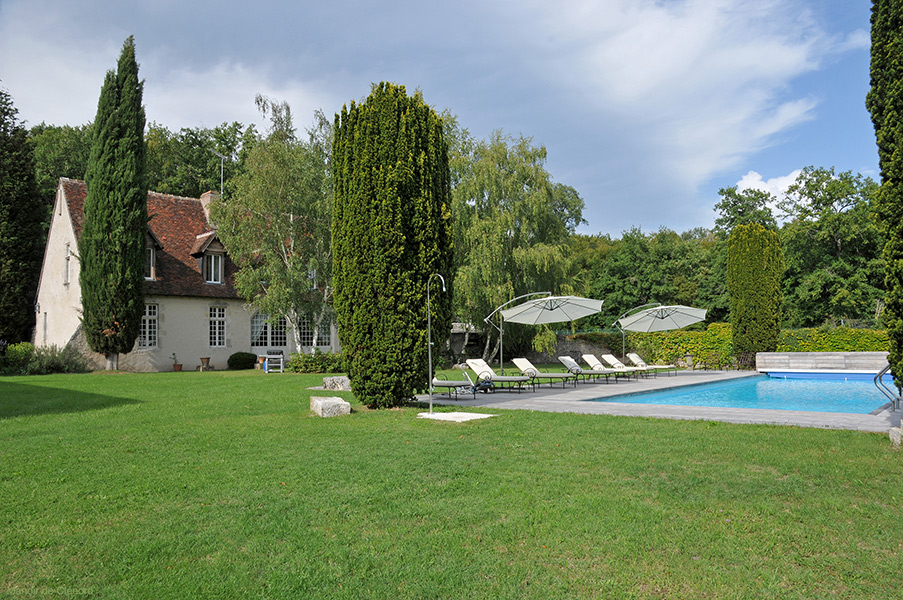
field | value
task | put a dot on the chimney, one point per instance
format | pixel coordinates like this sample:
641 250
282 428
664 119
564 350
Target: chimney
206 199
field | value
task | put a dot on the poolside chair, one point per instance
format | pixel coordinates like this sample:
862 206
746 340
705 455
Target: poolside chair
639 362
614 363
537 377
578 371
595 363
486 374
460 386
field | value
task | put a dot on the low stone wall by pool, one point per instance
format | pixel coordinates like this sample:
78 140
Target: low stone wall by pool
851 362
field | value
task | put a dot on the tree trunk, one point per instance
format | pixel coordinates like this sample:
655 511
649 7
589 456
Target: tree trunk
112 361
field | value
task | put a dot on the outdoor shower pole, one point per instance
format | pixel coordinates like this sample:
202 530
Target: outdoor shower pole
429 332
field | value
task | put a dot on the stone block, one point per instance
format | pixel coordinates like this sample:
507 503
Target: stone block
329 406
895 435
340 383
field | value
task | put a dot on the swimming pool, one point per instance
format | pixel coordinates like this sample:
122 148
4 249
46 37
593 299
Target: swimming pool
763 392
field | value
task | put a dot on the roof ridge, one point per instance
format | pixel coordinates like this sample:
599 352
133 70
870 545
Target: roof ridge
163 194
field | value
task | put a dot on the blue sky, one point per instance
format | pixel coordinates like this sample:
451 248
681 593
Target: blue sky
646 107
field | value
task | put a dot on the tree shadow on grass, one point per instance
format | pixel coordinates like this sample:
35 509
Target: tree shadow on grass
18 400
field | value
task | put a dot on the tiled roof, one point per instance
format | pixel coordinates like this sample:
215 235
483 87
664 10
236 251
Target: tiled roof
176 223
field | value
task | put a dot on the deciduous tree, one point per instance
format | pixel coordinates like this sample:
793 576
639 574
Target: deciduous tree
512 226
112 244
391 232
275 224
832 247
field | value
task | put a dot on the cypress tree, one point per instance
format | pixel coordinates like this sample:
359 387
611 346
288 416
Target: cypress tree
885 103
755 265
112 245
20 227
391 231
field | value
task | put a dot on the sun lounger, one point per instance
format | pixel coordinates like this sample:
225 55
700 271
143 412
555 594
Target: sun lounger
614 363
486 374
578 371
537 377
458 386
595 363
639 362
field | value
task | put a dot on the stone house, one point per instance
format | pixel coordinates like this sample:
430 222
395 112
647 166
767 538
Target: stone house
192 310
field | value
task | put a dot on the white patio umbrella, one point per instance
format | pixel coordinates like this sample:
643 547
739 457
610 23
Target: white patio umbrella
660 318
548 309
552 309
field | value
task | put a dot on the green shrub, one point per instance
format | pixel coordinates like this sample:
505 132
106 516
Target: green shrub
18 355
837 339
318 362
242 360
52 359
713 346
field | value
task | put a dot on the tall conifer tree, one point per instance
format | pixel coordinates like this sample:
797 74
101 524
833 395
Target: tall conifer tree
112 245
755 265
391 232
885 103
20 227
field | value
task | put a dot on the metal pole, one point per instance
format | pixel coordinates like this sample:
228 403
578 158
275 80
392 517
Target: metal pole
501 325
222 159
429 333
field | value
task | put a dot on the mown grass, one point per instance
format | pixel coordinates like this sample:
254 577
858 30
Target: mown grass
222 485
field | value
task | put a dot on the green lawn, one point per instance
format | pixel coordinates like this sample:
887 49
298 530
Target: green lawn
222 485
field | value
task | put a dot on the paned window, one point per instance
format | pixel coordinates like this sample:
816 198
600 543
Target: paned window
217 326
265 334
147 334
307 333
213 268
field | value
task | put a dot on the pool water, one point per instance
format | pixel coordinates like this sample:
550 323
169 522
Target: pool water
814 395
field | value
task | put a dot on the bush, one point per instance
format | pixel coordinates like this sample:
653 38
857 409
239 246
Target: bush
51 359
18 355
318 362
242 360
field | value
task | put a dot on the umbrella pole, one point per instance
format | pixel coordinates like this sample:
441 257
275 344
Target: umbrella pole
501 344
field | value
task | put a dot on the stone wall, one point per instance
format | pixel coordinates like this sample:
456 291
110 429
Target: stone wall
870 362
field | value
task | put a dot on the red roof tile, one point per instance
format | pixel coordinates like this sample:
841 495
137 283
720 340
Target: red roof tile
176 222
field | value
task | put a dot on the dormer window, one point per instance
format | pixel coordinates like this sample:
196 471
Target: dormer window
150 263
213 268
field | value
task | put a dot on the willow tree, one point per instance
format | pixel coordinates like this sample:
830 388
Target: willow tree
391 232
112 244
755 265
885 103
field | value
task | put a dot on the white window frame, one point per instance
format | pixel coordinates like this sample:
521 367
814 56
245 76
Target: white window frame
68 276
274 335
150 263
148 334
217 327
306 333
213 267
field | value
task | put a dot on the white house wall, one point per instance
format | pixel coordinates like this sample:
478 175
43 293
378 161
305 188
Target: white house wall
58 303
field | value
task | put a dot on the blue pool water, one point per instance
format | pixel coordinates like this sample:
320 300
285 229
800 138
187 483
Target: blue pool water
815 395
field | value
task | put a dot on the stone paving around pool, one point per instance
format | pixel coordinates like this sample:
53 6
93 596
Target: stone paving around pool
574 400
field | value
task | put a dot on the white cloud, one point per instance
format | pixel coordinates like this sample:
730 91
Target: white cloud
700 84
776 186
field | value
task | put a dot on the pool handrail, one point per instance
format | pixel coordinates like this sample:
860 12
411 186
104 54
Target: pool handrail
894 398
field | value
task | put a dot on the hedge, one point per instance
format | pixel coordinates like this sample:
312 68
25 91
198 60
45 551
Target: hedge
713 347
